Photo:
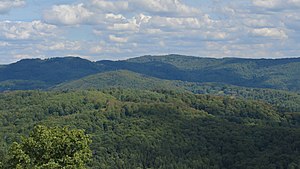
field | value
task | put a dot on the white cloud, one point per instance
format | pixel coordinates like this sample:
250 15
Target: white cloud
270 32
127 28
215 35
118 39
96 49
166 7
4 44
268 3
60 46
25 30
7 5
112 16
124 27
21 56
176 23
132 24
154 31
259 22
277 4
110 6
68 14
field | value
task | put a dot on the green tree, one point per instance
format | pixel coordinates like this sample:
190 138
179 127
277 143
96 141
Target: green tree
51 148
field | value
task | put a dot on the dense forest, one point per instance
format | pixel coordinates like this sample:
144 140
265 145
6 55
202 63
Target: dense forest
159 128
160 112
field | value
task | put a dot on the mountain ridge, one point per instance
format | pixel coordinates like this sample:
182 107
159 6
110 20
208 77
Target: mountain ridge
280 74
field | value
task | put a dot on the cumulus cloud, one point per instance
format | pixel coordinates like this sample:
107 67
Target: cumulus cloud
68 14
25 30
7 5
94 10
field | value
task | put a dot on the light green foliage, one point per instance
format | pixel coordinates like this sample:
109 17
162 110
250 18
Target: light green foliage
51 148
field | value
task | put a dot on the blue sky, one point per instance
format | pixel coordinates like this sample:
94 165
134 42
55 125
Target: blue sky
120 29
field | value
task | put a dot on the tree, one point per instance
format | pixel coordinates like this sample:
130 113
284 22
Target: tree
51 148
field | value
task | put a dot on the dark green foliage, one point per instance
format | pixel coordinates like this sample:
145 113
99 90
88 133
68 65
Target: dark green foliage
54 148
160 129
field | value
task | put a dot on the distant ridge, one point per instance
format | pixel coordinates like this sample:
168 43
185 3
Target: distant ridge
280 74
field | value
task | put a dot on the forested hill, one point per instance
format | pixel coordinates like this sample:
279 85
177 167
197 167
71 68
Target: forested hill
259 73
159 129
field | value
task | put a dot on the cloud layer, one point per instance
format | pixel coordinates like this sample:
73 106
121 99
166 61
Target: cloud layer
117 29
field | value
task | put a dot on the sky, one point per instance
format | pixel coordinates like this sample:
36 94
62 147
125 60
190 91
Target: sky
121 29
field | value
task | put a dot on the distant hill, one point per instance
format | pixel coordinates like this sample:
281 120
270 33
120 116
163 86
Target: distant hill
280 74
262 73
258 73
37 73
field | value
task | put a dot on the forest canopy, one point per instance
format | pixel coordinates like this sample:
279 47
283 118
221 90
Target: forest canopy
157 129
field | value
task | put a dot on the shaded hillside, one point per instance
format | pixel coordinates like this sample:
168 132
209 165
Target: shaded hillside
162 129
